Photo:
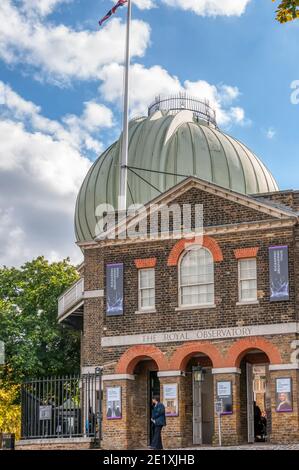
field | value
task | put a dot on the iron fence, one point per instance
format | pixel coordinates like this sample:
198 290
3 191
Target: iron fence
68 406
182 101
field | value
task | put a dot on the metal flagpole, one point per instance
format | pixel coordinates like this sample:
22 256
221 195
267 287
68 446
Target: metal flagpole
122 202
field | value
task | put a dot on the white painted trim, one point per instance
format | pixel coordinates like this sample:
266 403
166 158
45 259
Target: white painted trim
211 231
90 369
226 370
140 308
283 367
118 377
59 440
247 302
171 373
140 312
206 186
92 294
181 306
194 307
201 335
69 312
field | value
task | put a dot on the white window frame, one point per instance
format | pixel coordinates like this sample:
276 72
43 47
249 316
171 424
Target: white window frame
152 307
249 300
194 306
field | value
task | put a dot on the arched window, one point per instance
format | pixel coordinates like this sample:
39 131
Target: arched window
196 278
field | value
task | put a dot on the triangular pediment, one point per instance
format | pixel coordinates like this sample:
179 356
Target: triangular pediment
221 207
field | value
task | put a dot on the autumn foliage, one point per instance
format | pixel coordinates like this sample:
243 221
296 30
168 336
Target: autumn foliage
288 10
10 409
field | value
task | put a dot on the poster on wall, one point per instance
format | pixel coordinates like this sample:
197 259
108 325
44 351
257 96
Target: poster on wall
114 289
113 410
170 399
284 394
45 413
279 273
224 394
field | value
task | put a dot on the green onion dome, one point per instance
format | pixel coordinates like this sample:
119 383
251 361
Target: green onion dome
178 138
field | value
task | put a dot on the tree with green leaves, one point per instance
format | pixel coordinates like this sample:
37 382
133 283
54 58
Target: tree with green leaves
35 344
288 10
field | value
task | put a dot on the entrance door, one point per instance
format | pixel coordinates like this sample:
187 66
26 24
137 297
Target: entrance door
207 407
197 411
154 390
250 407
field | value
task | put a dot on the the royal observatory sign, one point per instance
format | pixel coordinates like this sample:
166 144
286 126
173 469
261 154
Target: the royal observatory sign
200 335
114 289
278 273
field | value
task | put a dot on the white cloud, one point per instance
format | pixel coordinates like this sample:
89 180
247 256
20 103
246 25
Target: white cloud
42 165
43 161
78 131
146 83
270 133
39 181
211 7
42 7
14 102
145 4
59 53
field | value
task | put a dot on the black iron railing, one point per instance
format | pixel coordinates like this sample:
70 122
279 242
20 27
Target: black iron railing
65 407
182 101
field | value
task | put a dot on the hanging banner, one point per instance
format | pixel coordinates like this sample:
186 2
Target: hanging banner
114 289
224 394
113 410
170 399
284 394
278 273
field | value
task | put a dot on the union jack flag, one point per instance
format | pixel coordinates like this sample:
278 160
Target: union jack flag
120 3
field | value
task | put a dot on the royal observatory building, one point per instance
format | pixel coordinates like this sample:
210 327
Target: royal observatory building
210 322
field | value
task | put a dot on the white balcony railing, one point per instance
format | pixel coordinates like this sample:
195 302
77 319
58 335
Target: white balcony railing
70 298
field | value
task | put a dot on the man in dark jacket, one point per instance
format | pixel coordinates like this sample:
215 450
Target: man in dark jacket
158 420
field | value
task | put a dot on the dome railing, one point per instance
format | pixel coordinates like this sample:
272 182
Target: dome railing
174 103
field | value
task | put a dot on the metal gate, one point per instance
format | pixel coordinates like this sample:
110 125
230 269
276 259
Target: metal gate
56 407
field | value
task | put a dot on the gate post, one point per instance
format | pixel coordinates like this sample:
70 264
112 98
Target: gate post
118 422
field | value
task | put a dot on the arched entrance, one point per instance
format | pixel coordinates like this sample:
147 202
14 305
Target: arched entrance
253 356
146 386
255 397
196 361
142 362
200 384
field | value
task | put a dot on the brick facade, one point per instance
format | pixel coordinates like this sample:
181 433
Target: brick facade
225 357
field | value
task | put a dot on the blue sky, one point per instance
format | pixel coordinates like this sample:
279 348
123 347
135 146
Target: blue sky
61 85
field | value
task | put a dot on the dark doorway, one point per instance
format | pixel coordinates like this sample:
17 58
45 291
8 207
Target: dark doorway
255 397
154 390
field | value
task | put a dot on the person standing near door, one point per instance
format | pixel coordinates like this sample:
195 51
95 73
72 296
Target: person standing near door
158 420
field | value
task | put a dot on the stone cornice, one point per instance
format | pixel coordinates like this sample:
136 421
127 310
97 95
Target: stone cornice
200 334
181 188
286 222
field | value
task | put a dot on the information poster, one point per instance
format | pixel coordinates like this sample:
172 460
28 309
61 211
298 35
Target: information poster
278 273
45 413
170 399
114 289
284 400
224 394
113 410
